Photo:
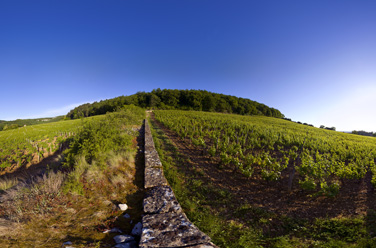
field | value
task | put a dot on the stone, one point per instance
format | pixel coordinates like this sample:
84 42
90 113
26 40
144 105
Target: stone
67 244
127 216
154 177
137 229
170 230
131 244
152 158
123 238
113 230
123 207
209 245
161 199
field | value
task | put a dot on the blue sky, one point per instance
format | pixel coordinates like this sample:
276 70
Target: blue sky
313 60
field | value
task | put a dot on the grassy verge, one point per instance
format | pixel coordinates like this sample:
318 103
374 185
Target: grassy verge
78 202
212 209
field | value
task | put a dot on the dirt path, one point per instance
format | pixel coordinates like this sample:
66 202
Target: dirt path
355 197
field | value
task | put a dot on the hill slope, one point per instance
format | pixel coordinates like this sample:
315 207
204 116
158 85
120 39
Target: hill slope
231 174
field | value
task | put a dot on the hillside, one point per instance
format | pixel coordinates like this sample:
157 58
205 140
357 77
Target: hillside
269 182
199 100
6 125
63 183
246 181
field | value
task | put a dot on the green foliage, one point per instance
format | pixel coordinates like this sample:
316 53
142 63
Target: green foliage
346 230
73 183
308 184
77 202
97 137
23 145
364 133
212 208
10 126
5 125
192 195
264 146
330 190
177 99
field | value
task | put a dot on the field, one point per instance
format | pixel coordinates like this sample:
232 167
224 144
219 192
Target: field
269 182
246 181
265 147
30 144
7 125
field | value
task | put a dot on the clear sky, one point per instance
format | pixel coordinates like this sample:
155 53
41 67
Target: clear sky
314 60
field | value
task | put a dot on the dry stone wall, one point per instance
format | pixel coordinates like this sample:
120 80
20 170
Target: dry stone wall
164 223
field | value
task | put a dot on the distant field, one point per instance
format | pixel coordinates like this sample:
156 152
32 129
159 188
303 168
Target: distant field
259 146
4 125
29 144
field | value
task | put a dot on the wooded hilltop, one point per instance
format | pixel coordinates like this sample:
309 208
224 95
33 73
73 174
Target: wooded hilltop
199 100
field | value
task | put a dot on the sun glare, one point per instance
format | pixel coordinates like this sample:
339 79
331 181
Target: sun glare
354 110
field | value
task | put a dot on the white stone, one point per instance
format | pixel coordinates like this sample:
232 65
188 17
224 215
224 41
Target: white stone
127 216
123 207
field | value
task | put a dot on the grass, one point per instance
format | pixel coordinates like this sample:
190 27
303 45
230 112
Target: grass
213 211
49 217
7 183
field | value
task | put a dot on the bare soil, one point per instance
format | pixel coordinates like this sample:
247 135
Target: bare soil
355 196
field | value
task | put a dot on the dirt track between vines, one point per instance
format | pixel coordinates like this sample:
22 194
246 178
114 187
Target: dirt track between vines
355 197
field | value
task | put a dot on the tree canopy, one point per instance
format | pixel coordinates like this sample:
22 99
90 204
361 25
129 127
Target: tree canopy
199 100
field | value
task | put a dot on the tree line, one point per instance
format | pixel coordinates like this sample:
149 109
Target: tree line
199 100
364 133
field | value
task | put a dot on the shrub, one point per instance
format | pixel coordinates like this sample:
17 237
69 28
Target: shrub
308 184
330 190
99 136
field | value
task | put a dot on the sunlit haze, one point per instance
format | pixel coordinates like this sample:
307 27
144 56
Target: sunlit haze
313 60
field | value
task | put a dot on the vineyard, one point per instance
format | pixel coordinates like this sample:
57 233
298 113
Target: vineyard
30 144
257 146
